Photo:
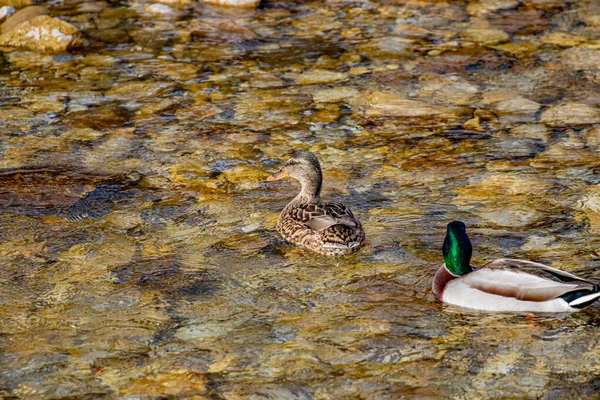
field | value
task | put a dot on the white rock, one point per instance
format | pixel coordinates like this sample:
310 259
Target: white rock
159 9
6 12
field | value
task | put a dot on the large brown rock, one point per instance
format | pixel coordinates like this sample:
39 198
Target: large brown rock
42 33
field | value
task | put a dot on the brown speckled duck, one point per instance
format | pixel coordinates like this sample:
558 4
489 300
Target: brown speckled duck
327 228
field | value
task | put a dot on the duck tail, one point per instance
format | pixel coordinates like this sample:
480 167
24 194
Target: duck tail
586 298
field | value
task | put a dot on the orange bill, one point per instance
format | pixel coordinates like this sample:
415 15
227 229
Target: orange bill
277 176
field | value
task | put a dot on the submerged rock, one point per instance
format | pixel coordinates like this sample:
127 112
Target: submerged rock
6 12
381 104
490 6
137 89
221 28
159 9
18 4
235 3
42 33
177 3
510 106
486 37
23 15
518 109
571 114
335 95
581 58
318 76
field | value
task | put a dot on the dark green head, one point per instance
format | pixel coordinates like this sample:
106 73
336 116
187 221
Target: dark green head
457 249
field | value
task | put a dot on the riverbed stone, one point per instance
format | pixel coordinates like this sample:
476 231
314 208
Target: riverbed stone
581 58
531 131
490 6
335 95
6 12
159 9
177 3
486 37
18 4
42 33
136 89
319 76
562 39
571 114
390 104
23 15
223 28
235 3
452 89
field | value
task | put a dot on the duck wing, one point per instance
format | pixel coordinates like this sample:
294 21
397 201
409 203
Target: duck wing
319 217
530 281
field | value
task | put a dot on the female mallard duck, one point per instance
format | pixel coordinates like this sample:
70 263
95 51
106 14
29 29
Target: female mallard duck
327 228
505 284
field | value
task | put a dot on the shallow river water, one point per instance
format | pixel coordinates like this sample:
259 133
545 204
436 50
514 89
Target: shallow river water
138 251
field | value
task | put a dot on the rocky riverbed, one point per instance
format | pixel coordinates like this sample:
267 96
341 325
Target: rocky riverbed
138 252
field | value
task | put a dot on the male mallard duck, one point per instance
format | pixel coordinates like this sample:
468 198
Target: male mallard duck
505 284
327 228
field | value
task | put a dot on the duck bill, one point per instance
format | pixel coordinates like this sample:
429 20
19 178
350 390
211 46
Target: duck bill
277 176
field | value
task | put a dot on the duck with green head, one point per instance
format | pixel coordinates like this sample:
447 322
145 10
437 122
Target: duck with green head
506 284
327 228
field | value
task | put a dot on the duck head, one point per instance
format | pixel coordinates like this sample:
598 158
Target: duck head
457 249
305 168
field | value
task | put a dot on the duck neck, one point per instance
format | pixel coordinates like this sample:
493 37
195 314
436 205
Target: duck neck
457 251
311 187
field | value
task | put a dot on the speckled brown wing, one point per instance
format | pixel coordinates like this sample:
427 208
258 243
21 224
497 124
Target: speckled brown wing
341 213
329 229
319 217
335 224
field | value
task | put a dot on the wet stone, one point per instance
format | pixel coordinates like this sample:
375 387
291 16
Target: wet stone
23 15
109 35
531 131
159 9
392 104
18 4
107 23
581 58
221 28
42 33
138 89
319 77
563 40
486 37
335 95
48 105
6 12
570 114
388 46
98 118
489 6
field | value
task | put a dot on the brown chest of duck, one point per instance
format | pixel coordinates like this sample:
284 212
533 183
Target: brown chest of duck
326 228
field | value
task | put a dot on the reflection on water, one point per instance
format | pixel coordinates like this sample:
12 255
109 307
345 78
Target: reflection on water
137 245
